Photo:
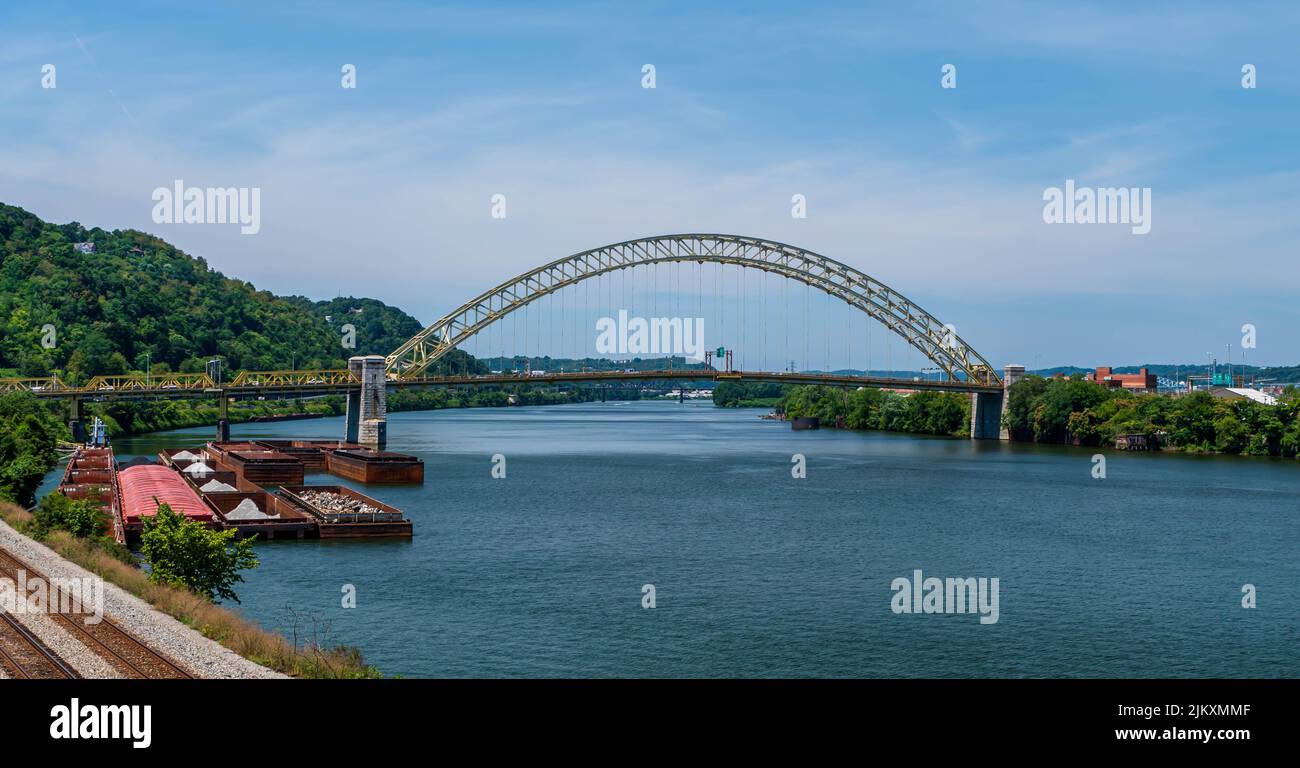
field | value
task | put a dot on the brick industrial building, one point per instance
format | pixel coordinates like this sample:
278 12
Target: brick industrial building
1142 381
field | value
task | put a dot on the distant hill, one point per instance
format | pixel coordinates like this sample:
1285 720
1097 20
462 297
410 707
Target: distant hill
136 298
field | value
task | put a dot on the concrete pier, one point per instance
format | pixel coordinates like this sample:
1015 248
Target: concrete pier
223 418
76 423
367 416
988 409
986 415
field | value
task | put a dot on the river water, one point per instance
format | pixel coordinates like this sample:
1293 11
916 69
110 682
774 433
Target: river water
758 573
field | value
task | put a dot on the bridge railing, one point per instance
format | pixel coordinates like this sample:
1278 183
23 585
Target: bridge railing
34 384
134 382
329 379
294 378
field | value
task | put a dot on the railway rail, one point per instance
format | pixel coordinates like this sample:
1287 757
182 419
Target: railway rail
105 638
24 657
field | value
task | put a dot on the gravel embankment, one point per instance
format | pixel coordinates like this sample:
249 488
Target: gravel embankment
199 655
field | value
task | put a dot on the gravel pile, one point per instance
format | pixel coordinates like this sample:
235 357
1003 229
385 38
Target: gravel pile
248 510
216 485
201 656
337 504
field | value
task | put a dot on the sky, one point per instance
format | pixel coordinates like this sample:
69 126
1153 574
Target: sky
385 189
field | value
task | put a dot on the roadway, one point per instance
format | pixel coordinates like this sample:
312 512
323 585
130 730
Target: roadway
280 384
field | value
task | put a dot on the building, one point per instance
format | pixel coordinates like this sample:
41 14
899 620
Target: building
1243 393
1142 381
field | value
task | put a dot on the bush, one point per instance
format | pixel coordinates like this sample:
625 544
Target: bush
186 553
30 431
56 512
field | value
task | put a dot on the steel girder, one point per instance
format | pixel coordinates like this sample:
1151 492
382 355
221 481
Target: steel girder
937 341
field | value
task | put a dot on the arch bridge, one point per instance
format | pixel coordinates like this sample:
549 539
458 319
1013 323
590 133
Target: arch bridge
366 380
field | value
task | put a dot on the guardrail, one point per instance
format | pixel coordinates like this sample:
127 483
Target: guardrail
40 384
134 382
293 378
323 380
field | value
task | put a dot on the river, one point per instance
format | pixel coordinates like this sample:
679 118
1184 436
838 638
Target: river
757 573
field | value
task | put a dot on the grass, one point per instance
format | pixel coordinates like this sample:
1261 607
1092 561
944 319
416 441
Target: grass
112 562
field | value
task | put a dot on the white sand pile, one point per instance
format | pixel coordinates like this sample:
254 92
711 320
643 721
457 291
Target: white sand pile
216 486
248 510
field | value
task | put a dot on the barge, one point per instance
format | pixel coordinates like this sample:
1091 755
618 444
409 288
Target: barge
257 464
231 486
91 475
344 513
145 487
366 465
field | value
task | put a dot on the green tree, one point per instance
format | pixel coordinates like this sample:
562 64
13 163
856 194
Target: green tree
186 553
30 431
81 518
1022 399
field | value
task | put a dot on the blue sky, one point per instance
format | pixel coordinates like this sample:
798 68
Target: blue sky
384 190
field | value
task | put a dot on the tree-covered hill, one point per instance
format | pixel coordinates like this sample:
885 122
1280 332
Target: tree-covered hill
136 298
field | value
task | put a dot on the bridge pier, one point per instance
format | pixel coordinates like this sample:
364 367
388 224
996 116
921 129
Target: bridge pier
987 409
352 422
986 415
367 418
76 423
223 418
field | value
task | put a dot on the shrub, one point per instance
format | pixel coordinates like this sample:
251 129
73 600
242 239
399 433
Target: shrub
186 553
56 512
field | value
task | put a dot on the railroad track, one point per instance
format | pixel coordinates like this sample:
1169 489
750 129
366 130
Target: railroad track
24 657
105 638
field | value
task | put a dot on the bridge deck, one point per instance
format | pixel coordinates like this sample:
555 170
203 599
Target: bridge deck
307 383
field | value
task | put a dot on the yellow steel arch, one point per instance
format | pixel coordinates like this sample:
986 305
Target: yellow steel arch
937 341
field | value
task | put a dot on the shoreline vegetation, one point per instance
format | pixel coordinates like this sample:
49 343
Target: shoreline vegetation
1051 411
115 563
141 417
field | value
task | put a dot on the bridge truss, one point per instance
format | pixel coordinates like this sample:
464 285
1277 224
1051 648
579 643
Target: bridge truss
937 341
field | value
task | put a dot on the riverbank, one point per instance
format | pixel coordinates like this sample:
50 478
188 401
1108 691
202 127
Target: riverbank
213 640
125 418
1071 412
197 654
